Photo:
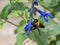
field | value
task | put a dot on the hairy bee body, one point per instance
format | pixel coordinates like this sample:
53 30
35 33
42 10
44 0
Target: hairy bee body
36 25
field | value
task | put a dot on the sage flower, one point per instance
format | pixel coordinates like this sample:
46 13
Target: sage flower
45 15
28 27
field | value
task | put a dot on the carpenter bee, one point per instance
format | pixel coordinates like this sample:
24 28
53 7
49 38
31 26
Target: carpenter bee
36 25
32 25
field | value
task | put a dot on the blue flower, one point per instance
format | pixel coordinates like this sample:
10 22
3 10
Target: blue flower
28 27
45 15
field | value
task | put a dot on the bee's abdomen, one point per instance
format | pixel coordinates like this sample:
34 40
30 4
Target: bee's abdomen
41 26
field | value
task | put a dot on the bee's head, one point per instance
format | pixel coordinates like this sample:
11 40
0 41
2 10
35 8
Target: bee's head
35 20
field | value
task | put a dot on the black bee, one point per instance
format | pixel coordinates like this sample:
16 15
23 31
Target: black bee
36 25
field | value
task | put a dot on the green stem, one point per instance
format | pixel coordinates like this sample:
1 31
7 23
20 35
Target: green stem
20 15
11 23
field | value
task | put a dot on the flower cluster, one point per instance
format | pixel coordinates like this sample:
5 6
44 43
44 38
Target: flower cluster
45 15
33 11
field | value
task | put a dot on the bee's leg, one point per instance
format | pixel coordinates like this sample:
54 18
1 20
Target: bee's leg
38 29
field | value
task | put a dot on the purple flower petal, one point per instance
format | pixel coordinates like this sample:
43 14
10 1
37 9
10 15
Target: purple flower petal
41 12
50 15
29 27
28 32
26 27
46 18
44 15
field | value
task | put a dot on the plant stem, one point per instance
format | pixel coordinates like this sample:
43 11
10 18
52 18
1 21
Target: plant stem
11 23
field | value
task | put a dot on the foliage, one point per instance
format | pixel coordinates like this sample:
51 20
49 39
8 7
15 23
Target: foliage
1 24
19 37
19 9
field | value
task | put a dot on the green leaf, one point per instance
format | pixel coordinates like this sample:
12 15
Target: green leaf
20 38
52 5
58 16
5 12
52 28
58 43
1 24
24 1
26 15
14 14
49 3
20 9
20 6
53 42
56 9
21 26
58 39
41 39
